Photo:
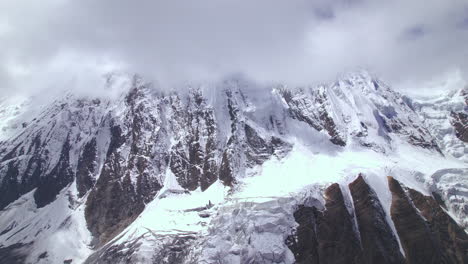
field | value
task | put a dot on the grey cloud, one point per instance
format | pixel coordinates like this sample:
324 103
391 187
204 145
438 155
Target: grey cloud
463 24
415 32
60 43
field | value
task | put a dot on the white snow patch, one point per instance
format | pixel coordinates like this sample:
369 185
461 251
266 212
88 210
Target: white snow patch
170 213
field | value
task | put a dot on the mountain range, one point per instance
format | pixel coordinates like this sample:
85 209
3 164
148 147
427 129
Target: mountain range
235 172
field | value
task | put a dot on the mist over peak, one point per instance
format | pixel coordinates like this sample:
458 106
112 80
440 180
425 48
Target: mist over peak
58 44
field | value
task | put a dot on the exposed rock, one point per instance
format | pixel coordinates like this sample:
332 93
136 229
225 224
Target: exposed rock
60 176
464 94
174 252
313 111
125 183
246 147
14 254
115 201
379 244
226 169
336 136
42 255
87 168
10 188
110 206
415 235
338 241
325 236
193 157
460 122
451 238
303 243
230 162
259 149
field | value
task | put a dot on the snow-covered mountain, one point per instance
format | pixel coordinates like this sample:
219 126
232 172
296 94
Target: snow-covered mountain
235 172
446 117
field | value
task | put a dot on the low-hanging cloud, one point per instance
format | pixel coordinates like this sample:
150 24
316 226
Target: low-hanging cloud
66 44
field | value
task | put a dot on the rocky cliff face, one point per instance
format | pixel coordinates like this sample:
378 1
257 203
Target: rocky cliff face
103 172
425 232
460 119
326 236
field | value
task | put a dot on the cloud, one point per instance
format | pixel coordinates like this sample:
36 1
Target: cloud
66 44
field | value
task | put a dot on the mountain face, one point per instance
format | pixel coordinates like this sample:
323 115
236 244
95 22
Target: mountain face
236 173
445 116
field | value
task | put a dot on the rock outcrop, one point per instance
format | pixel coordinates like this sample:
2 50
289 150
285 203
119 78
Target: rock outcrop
378 241
451 239
460 123
326 236
414 233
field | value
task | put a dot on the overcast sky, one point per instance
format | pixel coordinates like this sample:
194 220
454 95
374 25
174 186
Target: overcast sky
45 44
